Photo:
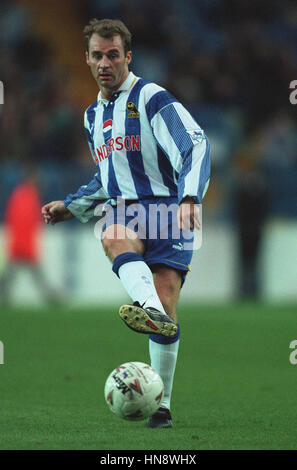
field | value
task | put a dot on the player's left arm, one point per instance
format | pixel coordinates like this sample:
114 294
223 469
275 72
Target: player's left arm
187 148
188 215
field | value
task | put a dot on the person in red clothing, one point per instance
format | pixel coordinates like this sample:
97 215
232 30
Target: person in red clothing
23 224
22 234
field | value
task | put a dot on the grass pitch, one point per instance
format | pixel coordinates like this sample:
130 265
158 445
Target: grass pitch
234 385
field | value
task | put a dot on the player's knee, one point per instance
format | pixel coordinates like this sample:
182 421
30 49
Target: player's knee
114 247
110 247
170 284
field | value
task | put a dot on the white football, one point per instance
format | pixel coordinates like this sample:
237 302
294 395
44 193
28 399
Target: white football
133 391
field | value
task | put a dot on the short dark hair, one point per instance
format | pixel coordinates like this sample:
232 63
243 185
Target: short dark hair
107 29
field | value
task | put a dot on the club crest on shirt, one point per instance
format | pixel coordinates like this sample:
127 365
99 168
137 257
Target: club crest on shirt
197 136
133 111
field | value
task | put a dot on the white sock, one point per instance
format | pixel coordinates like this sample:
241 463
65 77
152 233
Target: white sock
138 281
163 360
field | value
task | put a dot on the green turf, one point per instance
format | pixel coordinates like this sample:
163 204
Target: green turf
234 388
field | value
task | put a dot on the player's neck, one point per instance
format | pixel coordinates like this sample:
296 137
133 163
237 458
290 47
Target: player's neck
106 93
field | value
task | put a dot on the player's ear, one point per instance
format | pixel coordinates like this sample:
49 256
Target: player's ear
87 58
128 57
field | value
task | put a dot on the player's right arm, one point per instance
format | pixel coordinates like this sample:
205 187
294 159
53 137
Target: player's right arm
55 212
83 203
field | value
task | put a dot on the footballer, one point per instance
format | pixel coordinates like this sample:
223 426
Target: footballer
149 152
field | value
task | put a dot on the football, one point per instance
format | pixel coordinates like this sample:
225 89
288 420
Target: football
133 391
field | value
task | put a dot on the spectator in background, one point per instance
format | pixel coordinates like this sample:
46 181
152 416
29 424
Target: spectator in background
23 231
251 205
265 168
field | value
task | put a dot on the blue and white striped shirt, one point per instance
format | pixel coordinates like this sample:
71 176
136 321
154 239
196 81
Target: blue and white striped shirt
144 144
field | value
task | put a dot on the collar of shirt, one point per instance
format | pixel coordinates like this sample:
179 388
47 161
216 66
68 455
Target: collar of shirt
125 86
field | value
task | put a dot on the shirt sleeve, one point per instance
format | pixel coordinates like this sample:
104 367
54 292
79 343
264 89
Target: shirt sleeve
184 143
83 203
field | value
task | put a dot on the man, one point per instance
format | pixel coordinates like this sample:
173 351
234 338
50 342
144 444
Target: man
22 234
148 150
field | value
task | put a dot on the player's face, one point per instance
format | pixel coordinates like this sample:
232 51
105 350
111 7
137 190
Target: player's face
108 62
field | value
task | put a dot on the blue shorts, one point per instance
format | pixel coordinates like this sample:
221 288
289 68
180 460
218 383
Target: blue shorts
155 222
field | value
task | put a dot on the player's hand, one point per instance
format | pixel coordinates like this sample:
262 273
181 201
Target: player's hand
55 212
188 215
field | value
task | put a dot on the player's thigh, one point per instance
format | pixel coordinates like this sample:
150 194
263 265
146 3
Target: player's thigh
168 283
118 239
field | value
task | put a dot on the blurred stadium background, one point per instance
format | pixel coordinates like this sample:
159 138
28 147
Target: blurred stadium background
230 62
